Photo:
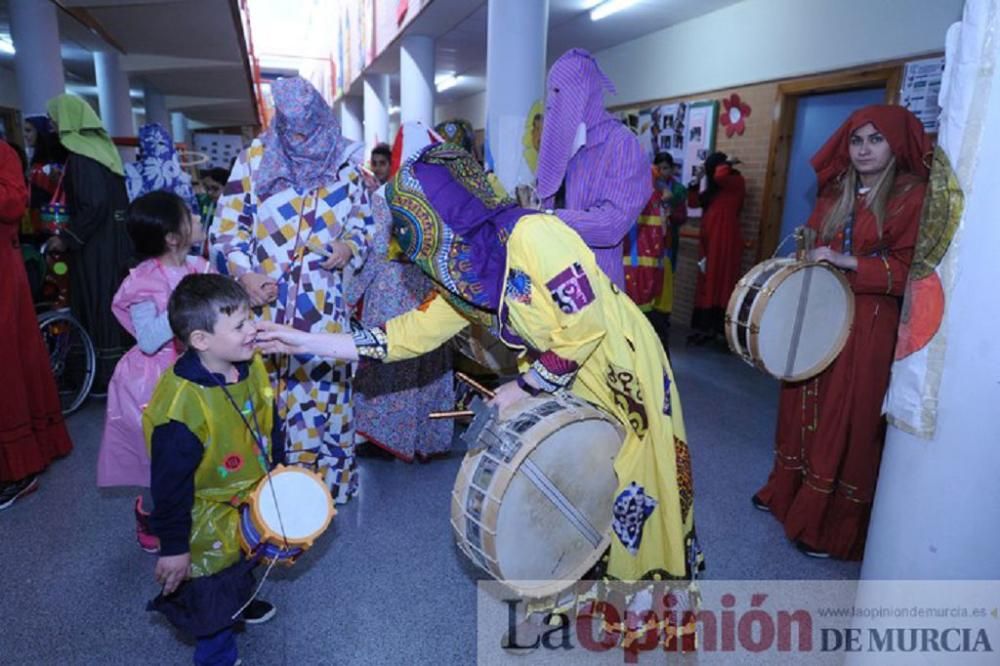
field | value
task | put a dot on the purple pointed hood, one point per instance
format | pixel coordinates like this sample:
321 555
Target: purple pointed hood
574 95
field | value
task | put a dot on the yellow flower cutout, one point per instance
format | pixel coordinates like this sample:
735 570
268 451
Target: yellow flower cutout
532 138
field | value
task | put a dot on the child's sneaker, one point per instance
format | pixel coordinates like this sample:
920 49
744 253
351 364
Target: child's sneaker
258 612
147 540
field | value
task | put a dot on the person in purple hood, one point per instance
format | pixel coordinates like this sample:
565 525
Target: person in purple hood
592 171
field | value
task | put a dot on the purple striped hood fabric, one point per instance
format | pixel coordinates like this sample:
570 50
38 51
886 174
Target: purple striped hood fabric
574 95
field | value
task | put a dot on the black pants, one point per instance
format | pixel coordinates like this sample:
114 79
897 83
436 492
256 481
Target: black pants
709 321
661 324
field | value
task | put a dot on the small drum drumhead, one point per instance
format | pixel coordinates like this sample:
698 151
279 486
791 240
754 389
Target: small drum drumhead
805 323
304 503
535 539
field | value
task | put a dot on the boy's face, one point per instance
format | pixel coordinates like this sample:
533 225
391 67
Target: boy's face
232 340
213 188
666 168
380 166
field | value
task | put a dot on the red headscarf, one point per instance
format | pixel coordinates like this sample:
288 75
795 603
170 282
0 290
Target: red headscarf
903 130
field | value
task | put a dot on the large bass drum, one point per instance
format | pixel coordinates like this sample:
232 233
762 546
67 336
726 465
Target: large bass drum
790 318
532 505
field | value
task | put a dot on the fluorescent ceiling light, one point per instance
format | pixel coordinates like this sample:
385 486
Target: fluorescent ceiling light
445 82
6 44
608 8
394 110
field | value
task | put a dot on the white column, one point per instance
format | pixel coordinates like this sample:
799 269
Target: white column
34 30
352 112
416 79
113 94
937 505
376 91
179 128
515 80
156 106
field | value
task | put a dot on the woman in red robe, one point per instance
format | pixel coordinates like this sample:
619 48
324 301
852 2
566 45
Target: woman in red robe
721 247
871 176
32 432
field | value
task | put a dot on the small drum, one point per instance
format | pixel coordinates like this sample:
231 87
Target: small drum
285 514
478 344
532 506
790 318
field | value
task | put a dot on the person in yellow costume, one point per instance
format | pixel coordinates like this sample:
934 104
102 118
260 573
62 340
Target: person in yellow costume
536 284
208 429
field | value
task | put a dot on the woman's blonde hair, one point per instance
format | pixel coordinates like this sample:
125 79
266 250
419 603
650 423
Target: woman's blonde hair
876 200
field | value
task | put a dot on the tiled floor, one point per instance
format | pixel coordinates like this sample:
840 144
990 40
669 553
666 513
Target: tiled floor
385 585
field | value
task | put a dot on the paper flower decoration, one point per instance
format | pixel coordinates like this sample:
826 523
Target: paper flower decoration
734 115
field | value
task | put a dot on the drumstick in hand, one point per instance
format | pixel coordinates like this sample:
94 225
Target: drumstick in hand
474 384
451 415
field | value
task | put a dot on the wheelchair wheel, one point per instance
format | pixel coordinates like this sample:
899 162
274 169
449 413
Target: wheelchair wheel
72 356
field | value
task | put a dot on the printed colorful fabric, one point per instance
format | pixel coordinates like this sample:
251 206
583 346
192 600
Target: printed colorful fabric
428 242
519 286
632 508
447 219
428 299
685 480
667 409
624 386
372 342
555 371
571 289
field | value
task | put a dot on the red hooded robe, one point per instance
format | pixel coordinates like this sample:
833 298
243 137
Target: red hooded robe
830 428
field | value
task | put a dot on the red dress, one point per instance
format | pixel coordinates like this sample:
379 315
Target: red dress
830 428
32 432
721 242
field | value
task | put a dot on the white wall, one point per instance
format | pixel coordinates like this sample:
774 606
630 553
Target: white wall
762 40
471 108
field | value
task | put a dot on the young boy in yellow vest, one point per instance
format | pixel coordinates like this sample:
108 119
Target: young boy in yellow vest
208 429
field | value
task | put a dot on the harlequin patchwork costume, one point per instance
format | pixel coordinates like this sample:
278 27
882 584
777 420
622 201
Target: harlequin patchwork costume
534 282
288 198
205 461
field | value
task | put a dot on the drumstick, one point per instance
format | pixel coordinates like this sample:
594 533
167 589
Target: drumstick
451 415
476 385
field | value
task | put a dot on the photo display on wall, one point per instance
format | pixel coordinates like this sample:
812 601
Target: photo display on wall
702 120
221 149
921 88
686 130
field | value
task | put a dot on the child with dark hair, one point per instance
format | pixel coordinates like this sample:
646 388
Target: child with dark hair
162 232
208 427
381 161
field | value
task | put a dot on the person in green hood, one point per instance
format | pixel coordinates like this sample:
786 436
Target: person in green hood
94 236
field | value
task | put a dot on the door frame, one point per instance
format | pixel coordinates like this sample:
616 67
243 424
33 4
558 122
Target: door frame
786 102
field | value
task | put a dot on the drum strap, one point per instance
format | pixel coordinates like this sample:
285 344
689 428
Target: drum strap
554 495
800 316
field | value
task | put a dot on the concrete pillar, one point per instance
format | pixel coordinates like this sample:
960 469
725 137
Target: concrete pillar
352 113
34 30
937 503
113 94
416 80
156 106
179 128
376 106
515 80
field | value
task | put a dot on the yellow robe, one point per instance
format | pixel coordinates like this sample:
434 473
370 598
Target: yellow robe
622 369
